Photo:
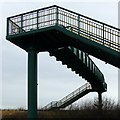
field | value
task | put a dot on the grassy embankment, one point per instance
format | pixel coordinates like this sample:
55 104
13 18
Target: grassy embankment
86 111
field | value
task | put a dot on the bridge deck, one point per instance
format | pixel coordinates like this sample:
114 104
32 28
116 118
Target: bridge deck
54 27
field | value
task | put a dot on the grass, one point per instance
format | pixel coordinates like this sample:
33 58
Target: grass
110 111
65 114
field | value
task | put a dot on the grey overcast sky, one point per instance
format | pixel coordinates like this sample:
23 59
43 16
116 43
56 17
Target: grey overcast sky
54 80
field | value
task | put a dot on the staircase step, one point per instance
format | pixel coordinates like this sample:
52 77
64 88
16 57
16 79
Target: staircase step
79 62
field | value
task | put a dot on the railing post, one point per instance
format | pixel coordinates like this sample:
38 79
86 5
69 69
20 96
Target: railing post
88 62
78 24
82 56
103 34
118 46
85 59
7 26
21 24
56 15
37 21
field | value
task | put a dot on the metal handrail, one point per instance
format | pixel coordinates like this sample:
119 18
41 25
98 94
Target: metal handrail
15 28
94 30
88 61
50 105
75 93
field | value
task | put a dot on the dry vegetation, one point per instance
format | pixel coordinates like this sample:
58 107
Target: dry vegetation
88 110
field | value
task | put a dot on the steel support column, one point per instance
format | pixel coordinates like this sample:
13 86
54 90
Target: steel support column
100 101
32 83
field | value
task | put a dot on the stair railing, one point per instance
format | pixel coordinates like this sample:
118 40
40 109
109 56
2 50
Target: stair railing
74 94
88 61
50 105
56 104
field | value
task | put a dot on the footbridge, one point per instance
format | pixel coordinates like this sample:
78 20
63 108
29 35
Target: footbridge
71 38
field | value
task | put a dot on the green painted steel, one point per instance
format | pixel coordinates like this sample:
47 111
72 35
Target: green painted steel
94 30
82 64
91 47
72 97
32 84
99 35
100 101
65 34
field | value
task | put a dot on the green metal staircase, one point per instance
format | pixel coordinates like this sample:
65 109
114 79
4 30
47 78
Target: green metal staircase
81 63
71 38
69 99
